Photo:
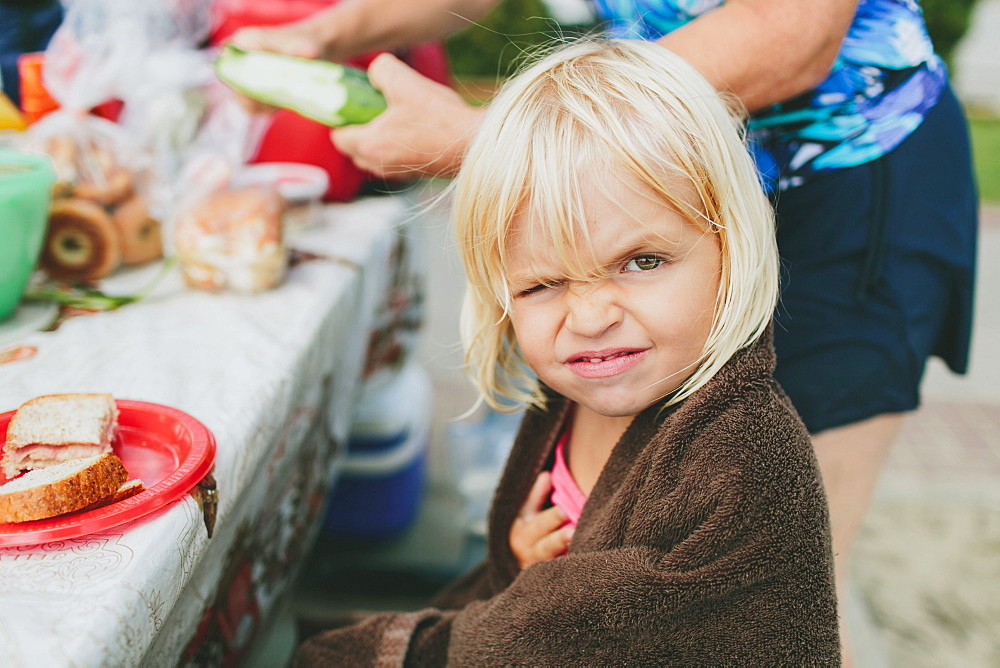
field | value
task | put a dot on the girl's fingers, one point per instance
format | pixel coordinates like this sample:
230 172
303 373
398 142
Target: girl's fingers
547 521
537 496
555 544
530 547
527 531
538 533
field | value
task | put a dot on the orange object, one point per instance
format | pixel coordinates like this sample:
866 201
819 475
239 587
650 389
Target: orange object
36 101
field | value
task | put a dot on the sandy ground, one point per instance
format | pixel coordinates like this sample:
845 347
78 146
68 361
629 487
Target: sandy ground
927 564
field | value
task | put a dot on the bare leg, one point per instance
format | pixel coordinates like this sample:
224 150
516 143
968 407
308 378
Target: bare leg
850 459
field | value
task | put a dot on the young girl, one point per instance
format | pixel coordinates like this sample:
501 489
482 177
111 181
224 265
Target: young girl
622 276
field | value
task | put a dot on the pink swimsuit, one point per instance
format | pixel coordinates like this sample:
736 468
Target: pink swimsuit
565 492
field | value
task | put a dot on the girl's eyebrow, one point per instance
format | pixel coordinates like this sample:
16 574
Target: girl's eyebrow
615 256
528 277
632 244
638 239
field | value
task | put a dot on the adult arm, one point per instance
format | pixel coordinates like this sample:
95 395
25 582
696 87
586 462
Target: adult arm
352 27
765 51
761 51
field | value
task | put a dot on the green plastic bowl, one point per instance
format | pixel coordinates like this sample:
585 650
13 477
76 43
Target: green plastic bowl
26 181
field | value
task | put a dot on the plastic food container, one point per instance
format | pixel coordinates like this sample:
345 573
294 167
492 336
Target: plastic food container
383 476
26 181
301 186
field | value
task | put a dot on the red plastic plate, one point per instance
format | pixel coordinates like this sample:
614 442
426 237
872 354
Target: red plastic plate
167 449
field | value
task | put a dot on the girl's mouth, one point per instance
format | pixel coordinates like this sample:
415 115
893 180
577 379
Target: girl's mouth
604 364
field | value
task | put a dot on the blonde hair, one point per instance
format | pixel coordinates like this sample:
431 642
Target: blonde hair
641 114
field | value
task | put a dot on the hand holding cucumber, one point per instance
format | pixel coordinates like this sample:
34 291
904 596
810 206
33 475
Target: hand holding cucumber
424 131
331 93
403 124
293 39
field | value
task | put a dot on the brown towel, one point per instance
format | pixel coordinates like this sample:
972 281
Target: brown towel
704 542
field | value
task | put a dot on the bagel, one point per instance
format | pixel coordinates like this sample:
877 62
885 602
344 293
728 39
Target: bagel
82 243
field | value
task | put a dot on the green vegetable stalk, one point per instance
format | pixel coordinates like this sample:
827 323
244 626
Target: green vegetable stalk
331 93
84 296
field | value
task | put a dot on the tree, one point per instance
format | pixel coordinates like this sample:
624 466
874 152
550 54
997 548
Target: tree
947 23
497 43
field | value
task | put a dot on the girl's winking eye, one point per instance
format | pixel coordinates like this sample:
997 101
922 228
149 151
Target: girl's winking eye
538 288
644 262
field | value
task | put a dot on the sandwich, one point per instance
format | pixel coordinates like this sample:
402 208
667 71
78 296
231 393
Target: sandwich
130 488
55 428
62 488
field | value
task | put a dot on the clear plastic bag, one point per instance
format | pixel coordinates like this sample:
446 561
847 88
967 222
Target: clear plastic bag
145 56
102 49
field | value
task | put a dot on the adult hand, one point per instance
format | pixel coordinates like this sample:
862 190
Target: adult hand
293 39
424 132
538 533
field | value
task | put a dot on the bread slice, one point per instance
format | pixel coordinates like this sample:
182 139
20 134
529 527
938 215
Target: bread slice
130 488
61 488
58 427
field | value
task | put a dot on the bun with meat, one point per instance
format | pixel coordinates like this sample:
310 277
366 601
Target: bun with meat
54 428
64 442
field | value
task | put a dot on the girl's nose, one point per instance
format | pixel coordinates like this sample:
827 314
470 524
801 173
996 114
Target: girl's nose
591 309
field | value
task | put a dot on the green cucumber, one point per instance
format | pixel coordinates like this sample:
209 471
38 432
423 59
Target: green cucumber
330 93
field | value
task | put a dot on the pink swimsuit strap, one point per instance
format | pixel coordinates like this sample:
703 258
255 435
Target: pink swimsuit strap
565 492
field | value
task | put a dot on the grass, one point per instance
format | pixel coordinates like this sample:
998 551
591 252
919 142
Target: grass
986 154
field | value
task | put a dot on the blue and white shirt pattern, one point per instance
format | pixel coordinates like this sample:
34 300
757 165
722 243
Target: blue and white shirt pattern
884 81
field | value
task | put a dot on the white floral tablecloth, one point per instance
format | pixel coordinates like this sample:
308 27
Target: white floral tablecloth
273 376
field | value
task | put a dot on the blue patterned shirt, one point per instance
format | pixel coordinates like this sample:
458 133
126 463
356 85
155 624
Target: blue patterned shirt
884 81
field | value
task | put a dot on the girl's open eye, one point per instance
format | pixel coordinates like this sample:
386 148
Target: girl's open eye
646 262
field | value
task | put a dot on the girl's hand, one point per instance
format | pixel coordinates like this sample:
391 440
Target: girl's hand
538 533
424 132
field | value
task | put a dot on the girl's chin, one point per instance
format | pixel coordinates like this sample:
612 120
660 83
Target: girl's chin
614 409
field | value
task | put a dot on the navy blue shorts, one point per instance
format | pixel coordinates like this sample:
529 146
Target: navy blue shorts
878 265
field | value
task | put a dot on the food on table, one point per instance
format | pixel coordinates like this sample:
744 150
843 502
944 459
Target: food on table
54 428
88 168
99 220
128 489
109 189
301 186
82 243
331 93
62 488
139 232
232 239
